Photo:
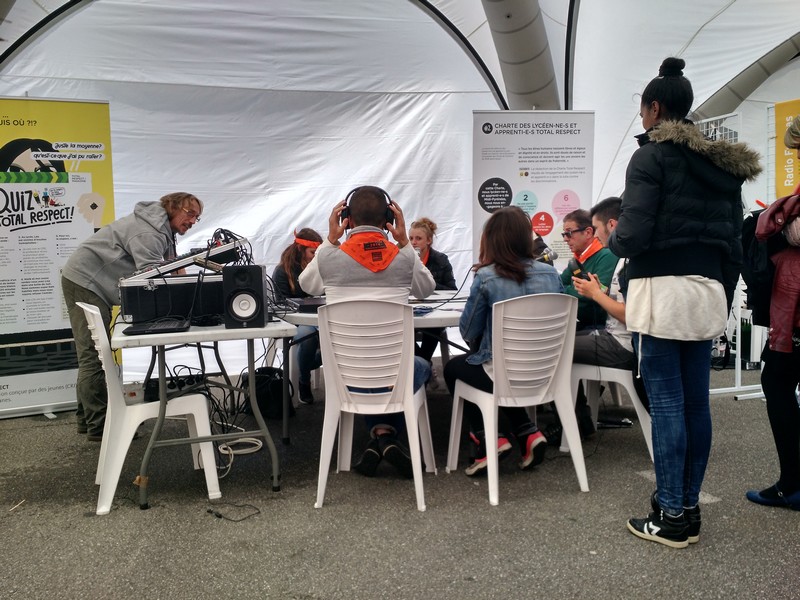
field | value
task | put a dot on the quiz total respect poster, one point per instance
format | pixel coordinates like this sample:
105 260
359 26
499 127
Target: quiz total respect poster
56 189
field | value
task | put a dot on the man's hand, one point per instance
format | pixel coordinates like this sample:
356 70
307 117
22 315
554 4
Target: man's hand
398 230
335 228
588 288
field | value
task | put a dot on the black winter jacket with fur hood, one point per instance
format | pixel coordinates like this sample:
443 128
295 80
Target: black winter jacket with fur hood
682 208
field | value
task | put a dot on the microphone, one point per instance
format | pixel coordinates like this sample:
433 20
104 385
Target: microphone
548 255
418 251
576 268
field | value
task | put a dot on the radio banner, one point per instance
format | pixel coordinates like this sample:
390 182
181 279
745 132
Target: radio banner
787 173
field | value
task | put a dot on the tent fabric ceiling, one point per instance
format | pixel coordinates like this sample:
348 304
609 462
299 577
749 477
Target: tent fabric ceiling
280 107
616 57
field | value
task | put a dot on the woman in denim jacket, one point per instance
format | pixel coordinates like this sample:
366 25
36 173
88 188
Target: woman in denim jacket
506 269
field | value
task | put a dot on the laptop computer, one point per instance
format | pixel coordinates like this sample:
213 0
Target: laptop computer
168 324
310 304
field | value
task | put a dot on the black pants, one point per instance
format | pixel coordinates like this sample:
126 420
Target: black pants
458 368
779 379
427 342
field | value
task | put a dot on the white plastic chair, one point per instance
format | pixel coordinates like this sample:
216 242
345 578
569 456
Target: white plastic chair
592 375
369 345
122 421
533 338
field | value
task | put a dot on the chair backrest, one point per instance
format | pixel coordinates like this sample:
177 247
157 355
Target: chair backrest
533 338
103 346
368 351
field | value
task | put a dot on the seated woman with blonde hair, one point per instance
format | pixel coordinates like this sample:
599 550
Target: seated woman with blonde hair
420 234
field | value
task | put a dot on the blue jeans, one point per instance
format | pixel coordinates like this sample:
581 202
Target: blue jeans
676 375
308 356
396 421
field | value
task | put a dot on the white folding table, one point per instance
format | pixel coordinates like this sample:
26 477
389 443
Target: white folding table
218 333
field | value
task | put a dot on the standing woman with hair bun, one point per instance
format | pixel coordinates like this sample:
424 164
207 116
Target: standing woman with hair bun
420 234
680 228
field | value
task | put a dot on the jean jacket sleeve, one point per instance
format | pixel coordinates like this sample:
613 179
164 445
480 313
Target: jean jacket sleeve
473 320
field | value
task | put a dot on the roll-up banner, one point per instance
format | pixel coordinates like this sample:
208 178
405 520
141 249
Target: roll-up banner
56 189
540 161
787 173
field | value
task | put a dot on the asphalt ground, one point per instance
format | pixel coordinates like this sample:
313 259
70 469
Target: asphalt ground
545 539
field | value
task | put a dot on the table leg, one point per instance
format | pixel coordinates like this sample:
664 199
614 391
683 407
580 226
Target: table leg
142 479
232 407
262 425
286 395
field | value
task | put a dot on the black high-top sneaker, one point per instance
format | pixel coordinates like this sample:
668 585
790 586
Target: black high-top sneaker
692 518
662 528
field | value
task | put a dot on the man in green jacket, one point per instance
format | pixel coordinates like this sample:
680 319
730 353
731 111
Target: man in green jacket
578 233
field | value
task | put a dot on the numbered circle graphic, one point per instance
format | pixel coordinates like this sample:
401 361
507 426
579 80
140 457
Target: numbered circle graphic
542 223
494 193
565 202
526 200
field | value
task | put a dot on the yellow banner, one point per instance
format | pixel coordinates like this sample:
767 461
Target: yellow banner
787 173
56 190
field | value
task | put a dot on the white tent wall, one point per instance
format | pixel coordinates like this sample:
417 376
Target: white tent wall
271 112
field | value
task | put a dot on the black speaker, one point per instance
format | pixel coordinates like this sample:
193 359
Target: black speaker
244 290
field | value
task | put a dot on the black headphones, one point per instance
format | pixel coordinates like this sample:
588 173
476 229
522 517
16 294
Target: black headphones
345 214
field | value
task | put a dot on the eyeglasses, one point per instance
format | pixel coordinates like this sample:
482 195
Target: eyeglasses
568 232
192 215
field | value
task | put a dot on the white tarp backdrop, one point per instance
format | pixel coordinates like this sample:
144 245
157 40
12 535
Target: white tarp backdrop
271 111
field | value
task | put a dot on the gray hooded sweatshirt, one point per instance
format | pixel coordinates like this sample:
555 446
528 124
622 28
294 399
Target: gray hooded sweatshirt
128 244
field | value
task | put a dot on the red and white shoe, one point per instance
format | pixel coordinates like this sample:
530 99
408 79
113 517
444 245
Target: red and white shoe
479 464
533 449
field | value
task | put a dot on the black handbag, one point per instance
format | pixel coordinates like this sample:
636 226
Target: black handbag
269 392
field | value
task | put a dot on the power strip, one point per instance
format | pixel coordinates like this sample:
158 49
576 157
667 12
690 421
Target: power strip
133 392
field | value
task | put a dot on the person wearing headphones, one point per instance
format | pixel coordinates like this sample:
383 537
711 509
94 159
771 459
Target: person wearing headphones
367 266
294 259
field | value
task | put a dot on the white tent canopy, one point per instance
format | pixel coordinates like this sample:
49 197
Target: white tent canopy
271 111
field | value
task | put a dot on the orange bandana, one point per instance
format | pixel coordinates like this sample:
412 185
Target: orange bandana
593 249
370 249
306 243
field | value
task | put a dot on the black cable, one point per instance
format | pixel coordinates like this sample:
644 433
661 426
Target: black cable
214 510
